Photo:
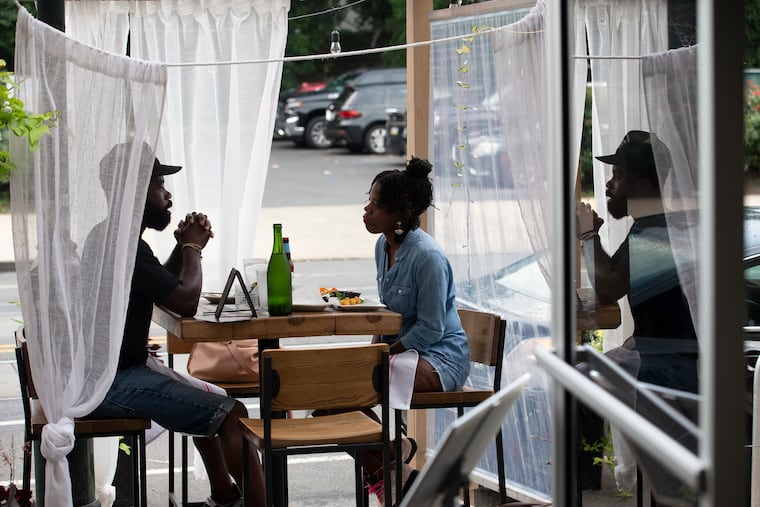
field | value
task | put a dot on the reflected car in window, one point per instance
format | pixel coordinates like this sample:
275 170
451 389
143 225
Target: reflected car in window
751 300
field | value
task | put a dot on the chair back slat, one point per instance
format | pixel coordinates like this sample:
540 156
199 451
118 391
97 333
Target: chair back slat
303 381
484 331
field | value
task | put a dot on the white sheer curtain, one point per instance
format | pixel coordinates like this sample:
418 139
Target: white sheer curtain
519 53
219 120
492 202
670 91
104 24
73 300
618 28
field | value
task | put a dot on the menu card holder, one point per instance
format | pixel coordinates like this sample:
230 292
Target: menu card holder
234 275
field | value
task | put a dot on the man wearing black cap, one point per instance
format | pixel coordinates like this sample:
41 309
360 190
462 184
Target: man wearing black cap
663 348
139 390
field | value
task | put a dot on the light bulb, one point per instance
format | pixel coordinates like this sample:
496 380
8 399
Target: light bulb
335 42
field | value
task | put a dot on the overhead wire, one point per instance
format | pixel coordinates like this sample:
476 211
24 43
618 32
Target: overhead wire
324 56
332 9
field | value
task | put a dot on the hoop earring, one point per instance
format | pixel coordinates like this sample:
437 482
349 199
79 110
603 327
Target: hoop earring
398 231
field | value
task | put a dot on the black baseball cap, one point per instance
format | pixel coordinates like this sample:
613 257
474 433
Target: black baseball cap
635 152
119 152
160 169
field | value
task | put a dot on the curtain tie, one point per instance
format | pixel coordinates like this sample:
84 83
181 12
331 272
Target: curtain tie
57 439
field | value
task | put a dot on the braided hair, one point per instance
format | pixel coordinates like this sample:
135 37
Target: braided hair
408 192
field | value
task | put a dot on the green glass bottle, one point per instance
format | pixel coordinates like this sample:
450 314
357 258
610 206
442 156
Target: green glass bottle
279 285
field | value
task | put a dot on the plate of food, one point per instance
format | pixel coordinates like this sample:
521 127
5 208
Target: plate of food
214 297
338 294
357 304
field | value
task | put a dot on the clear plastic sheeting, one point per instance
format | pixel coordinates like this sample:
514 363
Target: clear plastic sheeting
478 222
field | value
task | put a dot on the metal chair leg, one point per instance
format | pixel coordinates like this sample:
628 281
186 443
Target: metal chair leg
500 467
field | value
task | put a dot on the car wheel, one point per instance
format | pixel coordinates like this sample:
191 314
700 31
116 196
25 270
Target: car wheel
374 139
314 135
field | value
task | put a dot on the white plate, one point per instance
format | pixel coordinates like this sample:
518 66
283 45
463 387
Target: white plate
367 305
310 307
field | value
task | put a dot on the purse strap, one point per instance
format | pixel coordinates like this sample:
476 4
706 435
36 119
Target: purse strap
242 361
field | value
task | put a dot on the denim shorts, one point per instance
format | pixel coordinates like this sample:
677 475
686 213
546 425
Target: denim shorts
138 391
452 377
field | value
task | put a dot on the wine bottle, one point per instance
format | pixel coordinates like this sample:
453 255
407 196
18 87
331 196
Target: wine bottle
279 291
286 247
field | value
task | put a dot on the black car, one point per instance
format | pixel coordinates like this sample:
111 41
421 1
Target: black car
356 119
301 117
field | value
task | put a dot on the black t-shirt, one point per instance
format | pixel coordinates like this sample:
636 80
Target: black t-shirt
151 283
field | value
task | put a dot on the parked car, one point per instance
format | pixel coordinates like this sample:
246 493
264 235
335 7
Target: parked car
305 87
302 116
395 126
356 119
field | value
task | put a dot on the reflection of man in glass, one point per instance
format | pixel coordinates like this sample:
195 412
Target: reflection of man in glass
663 347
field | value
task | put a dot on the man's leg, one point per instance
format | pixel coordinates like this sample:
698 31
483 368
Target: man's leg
222 457
210 450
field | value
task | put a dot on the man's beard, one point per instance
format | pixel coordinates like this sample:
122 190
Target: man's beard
617 208
156 218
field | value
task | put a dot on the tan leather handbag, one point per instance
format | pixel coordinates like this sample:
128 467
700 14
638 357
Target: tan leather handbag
230 361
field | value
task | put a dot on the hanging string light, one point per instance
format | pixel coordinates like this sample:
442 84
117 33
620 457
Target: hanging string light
335 42
335 36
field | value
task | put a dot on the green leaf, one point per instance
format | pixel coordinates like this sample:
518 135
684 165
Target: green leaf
36 133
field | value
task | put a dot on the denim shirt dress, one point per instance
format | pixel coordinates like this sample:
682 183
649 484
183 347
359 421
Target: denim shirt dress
420 286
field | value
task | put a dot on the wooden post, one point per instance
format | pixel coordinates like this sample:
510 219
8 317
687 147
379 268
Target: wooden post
417 113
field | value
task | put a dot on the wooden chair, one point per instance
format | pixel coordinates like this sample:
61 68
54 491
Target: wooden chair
237 390
345 380
485 336
34 420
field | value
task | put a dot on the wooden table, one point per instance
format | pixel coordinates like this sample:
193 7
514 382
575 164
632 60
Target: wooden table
324 323
268 330
592 315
